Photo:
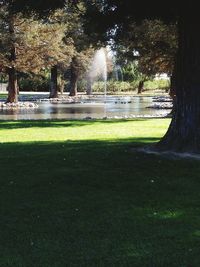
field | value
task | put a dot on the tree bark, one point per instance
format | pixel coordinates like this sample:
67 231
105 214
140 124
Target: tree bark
140 87
183 134
74 78
54 82
12 86
11 71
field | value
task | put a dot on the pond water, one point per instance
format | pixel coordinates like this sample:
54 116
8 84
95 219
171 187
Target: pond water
98 107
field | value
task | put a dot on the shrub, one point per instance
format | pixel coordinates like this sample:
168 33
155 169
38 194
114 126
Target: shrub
113 87
35 84
157 84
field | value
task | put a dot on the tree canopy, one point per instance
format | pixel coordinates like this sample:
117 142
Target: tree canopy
152 43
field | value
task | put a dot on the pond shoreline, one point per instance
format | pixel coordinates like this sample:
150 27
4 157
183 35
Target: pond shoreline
83 107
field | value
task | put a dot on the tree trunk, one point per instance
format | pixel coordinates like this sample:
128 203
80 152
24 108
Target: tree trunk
12 86
74 78
183 134
54 82
12 77
140 87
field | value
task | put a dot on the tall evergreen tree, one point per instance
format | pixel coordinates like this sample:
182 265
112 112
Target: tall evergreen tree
28 45
83 44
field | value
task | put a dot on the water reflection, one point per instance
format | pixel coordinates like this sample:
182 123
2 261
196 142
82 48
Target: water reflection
94 108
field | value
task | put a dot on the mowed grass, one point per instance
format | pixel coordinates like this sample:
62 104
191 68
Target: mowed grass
75 193
59 131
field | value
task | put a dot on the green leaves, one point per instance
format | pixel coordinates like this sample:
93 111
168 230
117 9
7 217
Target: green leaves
34 40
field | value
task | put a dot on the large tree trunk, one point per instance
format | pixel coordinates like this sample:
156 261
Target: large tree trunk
12 77
183 134
140 87
12 86
74 78
54 82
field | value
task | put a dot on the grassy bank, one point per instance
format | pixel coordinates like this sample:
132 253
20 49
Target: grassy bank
75 194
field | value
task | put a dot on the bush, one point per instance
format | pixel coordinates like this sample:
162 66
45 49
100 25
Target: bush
35 84
157 84
113 87
82 85
117 86
39 84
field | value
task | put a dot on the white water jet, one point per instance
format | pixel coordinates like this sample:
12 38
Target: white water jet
98 69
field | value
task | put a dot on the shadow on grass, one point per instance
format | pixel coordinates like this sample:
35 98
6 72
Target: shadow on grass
92 203
56 123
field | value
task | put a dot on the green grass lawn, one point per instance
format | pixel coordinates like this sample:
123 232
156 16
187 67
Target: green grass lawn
74 193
